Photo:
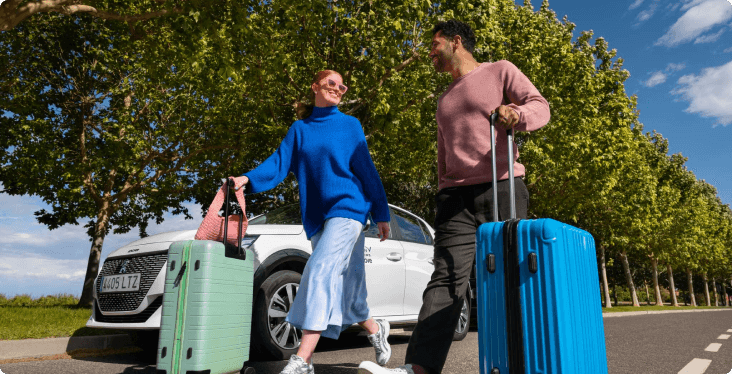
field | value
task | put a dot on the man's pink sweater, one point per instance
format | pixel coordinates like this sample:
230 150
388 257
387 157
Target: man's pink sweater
463 129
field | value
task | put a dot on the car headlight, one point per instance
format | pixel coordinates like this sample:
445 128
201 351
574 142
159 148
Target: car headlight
247 241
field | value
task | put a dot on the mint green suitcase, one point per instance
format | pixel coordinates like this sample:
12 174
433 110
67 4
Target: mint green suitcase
207 309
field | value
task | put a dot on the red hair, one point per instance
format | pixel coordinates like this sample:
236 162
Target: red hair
304 110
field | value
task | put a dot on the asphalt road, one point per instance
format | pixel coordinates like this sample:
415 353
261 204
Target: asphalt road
648 344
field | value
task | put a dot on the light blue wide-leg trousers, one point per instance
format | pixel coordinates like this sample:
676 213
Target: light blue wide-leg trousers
332 293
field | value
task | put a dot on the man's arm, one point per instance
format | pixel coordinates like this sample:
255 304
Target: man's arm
529 106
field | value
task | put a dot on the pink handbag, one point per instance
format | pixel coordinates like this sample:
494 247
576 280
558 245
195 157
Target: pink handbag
214 227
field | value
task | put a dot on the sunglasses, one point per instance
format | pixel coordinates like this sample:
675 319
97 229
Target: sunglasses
332 84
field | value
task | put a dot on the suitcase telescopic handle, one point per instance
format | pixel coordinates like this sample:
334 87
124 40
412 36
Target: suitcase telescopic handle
511 185
229 185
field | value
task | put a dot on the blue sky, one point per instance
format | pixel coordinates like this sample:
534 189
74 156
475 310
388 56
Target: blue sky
679 54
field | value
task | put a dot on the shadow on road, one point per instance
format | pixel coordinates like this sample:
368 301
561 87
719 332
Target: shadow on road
143 362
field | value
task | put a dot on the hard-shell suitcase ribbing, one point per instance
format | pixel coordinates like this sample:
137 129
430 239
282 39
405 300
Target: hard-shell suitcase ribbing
207 308
538 297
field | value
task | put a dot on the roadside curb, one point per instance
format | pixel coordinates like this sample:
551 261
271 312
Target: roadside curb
32 348
627 314
29 348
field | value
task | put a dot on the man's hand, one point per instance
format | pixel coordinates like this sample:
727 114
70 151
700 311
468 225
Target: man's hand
507 116
239 182
383 230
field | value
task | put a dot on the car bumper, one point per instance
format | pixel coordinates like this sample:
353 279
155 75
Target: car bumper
146 316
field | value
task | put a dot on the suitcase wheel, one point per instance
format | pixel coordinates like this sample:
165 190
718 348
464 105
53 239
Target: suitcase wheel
247 370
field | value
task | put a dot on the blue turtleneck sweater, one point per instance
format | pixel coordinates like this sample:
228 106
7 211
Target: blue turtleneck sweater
328 154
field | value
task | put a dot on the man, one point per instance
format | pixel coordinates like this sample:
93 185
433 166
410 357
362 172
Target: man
464 200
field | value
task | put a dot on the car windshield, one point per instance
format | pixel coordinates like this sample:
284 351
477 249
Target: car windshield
286 215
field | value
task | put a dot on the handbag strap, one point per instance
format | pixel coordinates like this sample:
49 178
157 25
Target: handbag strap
218 202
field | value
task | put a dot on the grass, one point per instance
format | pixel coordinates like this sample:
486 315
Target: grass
58 316
643 308
49 316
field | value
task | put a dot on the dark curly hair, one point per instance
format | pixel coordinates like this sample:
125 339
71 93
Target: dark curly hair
453 27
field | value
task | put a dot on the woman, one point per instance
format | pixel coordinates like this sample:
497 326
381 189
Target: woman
339 187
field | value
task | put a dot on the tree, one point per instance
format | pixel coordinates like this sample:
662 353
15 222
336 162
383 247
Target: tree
106 126
13 12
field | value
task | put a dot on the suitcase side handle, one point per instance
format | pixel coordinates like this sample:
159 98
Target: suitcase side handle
511 185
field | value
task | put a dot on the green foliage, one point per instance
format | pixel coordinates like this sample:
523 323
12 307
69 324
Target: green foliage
44 302
116 123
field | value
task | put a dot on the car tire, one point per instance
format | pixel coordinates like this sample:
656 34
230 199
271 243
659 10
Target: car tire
463 324
273 337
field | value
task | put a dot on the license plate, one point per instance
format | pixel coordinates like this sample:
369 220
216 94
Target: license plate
121 283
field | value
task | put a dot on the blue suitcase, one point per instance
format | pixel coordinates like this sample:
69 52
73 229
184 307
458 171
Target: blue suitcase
538 295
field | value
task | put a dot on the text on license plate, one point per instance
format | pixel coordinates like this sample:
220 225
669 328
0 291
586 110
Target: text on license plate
121 283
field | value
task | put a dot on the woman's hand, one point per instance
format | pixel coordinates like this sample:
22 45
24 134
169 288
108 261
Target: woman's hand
239 182
383 230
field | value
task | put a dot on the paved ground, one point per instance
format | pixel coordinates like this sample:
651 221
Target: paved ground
688 343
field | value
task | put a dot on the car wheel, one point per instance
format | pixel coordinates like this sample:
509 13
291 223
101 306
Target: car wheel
275 338
463 324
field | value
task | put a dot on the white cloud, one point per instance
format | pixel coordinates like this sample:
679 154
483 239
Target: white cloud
655 79
26 232
673 6
671 67
709 38
19 268
700 17
709 94
635 4
39 261
728 50
16 205
648 13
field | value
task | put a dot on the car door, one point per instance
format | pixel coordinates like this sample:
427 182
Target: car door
417 242
384 263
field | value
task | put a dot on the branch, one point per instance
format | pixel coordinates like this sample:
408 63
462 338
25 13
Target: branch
180 161
11 15
375 90
292 81
304 29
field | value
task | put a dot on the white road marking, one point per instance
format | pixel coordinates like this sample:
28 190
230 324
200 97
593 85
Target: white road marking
723 337
696 366
730 330
714 347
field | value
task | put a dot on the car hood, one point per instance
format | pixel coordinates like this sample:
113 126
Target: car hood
161 242
152 243
274 229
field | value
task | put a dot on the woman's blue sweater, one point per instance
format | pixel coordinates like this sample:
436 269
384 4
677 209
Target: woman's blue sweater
328 154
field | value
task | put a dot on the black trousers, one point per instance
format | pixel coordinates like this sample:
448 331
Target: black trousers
460 210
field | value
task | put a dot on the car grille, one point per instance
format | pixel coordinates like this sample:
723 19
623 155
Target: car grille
148 267
133 318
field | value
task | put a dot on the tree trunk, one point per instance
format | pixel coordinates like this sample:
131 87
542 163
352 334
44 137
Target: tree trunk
92 268
724 293
692 298
648 294
672 286
603 272
716 293
629 278
615 294
656 288
706 290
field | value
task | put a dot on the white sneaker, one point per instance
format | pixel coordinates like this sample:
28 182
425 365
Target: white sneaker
297 365
381 345
368 367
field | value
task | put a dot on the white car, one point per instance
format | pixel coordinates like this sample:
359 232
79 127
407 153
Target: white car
397 272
